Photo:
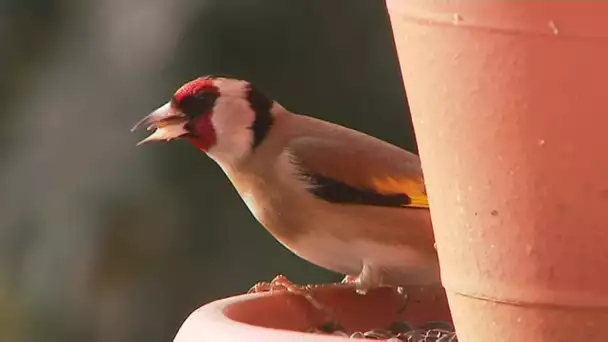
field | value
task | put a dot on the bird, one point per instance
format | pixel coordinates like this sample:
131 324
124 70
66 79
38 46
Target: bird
339 198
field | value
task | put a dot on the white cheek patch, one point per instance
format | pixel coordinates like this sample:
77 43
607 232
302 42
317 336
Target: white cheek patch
231 119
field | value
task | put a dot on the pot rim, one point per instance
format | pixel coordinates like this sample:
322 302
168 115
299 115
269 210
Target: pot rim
211 318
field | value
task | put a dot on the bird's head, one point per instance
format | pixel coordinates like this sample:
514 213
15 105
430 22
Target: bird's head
225 118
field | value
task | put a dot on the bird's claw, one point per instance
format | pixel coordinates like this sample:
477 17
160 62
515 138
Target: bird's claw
349 279
362 290
360 287
281 283
273 285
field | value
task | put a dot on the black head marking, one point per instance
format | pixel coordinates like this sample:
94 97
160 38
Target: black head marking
197 104
263 121
196 98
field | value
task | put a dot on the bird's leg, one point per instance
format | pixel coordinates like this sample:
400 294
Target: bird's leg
370 278
281 283
278 283
349 279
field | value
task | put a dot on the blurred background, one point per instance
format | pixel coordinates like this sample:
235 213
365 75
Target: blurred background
103 241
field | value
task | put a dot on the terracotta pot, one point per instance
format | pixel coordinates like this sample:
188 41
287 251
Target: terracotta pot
283 316
509 104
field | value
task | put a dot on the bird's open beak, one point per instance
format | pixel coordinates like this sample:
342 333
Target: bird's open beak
167 123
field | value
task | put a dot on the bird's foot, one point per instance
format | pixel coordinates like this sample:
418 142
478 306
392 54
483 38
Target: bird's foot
281 283
349 279
360 287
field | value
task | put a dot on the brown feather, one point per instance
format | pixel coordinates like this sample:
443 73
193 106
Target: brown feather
362 162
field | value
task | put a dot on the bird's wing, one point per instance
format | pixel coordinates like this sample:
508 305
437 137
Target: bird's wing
345 166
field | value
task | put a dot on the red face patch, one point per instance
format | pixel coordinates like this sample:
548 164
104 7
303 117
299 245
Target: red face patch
202 134
196 99
192 88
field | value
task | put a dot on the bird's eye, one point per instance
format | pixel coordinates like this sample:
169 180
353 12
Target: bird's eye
197 104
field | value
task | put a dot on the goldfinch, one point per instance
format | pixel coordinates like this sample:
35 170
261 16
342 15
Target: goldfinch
339 198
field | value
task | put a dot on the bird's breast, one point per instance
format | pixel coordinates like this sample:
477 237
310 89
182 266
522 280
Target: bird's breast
253 205
399 264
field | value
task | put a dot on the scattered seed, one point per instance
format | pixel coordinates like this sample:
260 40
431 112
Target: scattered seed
400 327
357 334
436 326
397 332
378 334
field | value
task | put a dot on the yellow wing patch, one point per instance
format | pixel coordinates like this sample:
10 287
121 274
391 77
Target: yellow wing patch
414 188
